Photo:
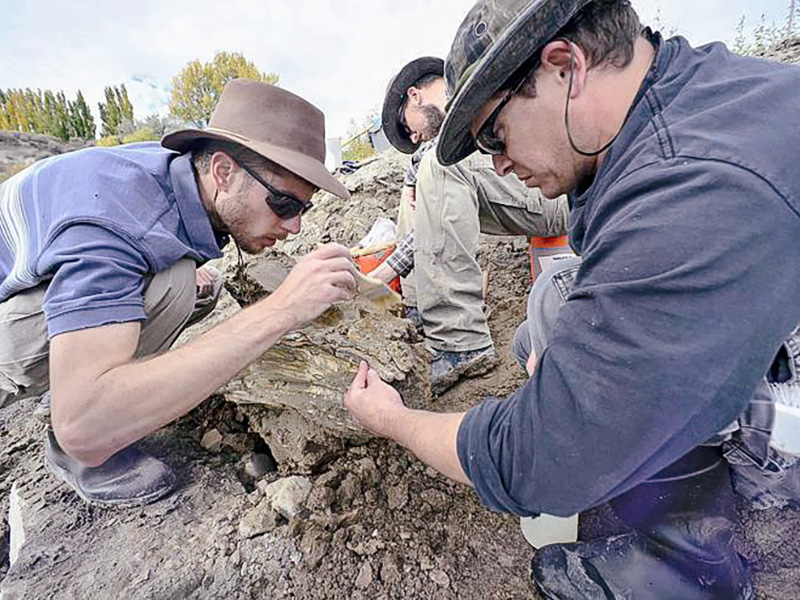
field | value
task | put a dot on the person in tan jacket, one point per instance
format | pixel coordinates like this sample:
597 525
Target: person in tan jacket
447 208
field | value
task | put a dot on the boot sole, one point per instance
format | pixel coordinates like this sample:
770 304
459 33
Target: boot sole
67 477
471 370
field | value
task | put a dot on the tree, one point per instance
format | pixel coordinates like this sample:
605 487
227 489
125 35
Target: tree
29 111
196 89
790 18
81 119
116 109
61 121
762 37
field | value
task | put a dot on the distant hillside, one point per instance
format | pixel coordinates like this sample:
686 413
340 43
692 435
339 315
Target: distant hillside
18 150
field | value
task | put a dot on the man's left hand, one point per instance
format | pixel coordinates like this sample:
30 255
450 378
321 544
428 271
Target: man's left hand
204 282
374 404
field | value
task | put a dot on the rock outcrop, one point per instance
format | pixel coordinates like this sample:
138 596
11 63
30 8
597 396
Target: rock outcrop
18 150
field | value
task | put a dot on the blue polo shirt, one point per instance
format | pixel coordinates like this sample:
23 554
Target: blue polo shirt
94 223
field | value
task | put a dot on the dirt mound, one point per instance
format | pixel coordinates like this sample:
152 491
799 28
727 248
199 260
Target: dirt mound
18 150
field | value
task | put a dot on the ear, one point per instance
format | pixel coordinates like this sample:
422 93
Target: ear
561 58
415 94
222 168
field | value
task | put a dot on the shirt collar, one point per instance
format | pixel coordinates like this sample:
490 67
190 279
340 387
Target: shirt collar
201 234
660 61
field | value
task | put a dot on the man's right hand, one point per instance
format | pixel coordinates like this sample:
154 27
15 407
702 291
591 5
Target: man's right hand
319 279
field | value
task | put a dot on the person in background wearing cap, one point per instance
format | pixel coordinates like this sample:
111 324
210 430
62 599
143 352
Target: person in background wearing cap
98 255
442 211
669 346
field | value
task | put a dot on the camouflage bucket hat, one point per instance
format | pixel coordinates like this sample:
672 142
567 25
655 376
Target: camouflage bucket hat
493 41
396 96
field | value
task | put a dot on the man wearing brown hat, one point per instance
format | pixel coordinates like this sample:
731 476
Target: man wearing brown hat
98 255
676 351
452 206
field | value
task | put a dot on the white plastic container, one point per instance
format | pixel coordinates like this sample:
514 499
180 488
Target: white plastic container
548 529
786 428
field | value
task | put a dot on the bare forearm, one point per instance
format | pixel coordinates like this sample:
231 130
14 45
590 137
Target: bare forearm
134 399
432 438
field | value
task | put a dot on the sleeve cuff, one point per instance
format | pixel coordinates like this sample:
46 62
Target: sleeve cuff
474 453
95 316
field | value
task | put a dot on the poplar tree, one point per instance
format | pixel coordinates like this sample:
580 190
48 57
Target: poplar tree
49 113
115 110
80 119
196 89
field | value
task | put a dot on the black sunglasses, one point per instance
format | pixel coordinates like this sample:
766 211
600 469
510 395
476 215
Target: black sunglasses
283 205
487 141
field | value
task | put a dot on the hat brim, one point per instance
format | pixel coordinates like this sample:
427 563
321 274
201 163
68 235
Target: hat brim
302 165
396 95
524 36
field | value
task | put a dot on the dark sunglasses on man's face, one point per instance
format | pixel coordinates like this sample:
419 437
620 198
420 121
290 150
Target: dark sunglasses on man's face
487 141
283 205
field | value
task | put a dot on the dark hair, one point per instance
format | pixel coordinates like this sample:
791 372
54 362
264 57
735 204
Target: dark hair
606 30
203 150
422 82
426 80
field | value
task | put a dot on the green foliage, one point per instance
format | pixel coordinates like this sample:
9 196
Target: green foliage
108 141
358 145
129 131
196 89
47 113
145 134
81 119
115 110
161 125
359 149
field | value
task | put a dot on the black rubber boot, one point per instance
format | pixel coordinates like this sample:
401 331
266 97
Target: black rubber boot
129 478
681 548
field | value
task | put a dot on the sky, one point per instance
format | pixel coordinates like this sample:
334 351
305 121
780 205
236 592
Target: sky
338 54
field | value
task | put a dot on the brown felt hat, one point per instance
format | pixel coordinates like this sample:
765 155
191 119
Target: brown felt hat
272 122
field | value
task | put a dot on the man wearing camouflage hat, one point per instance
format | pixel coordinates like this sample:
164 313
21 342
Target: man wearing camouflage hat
671 333
452 206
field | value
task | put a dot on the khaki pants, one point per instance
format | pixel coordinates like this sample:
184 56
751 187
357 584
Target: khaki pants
454 205
405 224
169 303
